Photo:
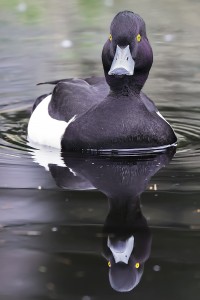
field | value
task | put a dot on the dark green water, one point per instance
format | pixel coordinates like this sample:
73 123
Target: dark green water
57 215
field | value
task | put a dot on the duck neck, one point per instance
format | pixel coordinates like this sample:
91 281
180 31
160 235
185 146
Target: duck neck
122 213
127 85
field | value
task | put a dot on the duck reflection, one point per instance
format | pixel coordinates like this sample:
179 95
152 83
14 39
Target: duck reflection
126 242
126 236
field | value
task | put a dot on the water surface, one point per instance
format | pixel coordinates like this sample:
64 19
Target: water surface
55 226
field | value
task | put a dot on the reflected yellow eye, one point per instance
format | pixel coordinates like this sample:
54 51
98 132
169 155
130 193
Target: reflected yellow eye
138 38
137 265
110 37
109 264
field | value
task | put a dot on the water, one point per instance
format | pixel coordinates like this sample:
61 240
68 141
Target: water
56 222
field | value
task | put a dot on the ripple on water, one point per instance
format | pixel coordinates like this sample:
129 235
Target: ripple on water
17 167
186 124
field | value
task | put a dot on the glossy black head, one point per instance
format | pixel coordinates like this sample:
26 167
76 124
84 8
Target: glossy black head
125 277
127 55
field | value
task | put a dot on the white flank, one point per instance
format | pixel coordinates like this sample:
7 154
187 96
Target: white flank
46 155
43 129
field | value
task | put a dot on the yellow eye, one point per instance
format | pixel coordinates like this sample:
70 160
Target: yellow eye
138 37
137 265
109 264
110 37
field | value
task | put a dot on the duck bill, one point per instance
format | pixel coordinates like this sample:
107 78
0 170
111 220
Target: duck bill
121 250
123 63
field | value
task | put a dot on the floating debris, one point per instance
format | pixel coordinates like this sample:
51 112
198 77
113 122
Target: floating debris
109 3
154 187
27 232
54 229
39 187
42 269
66 44
156 268
21 7
86 298
169 37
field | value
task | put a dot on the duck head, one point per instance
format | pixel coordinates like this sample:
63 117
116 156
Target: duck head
127 55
